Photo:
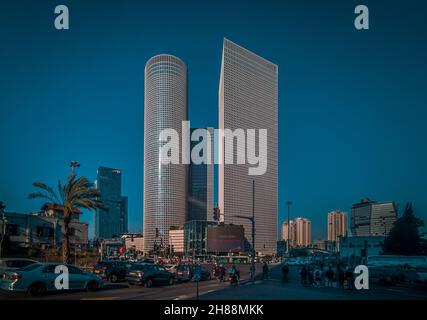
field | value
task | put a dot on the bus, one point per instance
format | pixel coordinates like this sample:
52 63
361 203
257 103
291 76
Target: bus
232 259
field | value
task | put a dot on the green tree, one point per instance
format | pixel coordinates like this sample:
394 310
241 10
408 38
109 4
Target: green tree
404 237
77 193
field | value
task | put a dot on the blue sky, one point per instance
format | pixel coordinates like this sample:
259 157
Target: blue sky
352 104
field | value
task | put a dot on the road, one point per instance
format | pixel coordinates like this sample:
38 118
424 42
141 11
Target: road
271 289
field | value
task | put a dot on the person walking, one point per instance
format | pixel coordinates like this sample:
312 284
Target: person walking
265 271
349 277
330 277
221 273
318 276
340 277
303 274
285 272
310 275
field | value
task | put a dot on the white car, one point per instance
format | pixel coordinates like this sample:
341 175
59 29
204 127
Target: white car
12 264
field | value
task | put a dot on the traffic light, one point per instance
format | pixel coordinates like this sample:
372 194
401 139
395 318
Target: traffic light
157 232
216 214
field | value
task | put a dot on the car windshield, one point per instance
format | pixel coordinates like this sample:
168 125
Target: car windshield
101 264
17 263
136 267
30 267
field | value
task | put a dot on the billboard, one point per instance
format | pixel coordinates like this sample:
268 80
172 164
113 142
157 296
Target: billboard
225 238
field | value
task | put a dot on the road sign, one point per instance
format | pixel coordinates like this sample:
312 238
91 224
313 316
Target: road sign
196 277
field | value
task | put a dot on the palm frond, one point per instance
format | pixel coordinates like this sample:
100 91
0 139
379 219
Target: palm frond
48 189
38 194
60 190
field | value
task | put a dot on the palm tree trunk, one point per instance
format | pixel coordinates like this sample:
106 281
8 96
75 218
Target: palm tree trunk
66 242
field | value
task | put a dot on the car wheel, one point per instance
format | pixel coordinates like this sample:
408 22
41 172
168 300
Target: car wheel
171 281
114 278
149 283
92 286
37 289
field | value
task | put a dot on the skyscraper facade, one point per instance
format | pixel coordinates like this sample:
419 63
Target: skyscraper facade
289 232
303 232
371 218
112 220
200 183
337 225
124 215
248 99
165 186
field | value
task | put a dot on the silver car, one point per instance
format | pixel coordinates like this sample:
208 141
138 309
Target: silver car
37 279
11 264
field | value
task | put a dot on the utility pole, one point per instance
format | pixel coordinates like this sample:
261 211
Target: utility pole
252 219
288 244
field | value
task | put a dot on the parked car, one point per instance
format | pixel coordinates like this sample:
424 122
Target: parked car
112 271
11 264
149 275
146 260
185 272
170 267
38 278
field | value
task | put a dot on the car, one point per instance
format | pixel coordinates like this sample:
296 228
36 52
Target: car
112 271
11 264
149 275
185 272
170 267
38 278
147 261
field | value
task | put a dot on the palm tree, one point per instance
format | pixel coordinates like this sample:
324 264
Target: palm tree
77 193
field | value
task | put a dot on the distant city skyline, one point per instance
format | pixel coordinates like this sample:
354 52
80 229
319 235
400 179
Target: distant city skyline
113 220
351 106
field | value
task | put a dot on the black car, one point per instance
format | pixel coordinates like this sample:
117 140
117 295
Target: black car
112 271
149 275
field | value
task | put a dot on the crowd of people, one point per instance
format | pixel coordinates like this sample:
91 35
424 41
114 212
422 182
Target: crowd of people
321 277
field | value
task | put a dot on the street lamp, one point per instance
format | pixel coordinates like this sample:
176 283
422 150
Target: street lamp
288 245
74 164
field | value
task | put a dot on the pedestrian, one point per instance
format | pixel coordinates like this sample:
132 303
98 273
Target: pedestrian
340 277
304 274
330 277
285 272
221 273
323 280
265 271
310 276
349 277
318 277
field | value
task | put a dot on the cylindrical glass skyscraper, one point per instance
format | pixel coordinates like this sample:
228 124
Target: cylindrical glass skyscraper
165 186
